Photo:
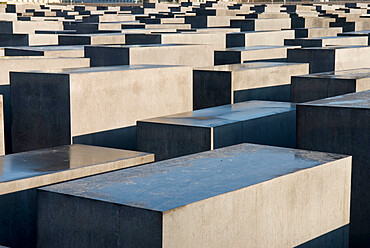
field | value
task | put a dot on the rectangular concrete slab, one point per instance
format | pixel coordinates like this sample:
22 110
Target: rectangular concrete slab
254 190
259 122
159 54
317 86
341 124
24 63
258 38
46 51
237 55
95 105
331 58
21 173
91 39
226 84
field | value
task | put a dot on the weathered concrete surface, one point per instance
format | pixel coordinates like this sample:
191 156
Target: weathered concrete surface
254 190
327 84
226 84
332 58
59 107
166 54
22 172
259 122
341 124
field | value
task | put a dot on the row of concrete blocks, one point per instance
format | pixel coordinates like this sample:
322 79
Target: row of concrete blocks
255 189
46 92
195 89
220 38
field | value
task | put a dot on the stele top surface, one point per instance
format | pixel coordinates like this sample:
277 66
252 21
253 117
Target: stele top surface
169 184
82 70
344 74
23 165
226 114
247 66
49 48
352 100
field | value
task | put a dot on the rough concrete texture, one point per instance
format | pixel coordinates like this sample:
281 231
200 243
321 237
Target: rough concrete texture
341 124
254 190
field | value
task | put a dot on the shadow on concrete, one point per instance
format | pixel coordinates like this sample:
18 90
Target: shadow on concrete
121 138
337 238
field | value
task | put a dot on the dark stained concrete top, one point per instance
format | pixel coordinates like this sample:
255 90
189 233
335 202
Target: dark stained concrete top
245 66
252 48
92 35
226 114
330 47
169 184
32 164
99 69
48 48
345 74
356 33
352 100
143 45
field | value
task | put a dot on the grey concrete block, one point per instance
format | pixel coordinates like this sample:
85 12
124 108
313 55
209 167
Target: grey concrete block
332 58
167 54
21 173
46 51
316 32
252 190
327 84
341 124
59 107
258 38
23 63
226 84
259 122
261 24
91 39
237 55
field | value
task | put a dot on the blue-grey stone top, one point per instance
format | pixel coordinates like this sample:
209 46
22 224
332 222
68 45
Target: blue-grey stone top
252 48
331 47
100 69
49 48
352 100
356 33
345 74
226 114
245 66
144 45
23 165
173 183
